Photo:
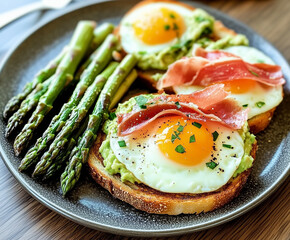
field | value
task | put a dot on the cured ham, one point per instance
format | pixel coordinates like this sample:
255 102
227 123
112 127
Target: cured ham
208 68
208 104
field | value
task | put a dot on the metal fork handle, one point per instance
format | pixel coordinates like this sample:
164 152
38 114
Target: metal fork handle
8 17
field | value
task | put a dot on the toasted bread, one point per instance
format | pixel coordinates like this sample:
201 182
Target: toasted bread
150 200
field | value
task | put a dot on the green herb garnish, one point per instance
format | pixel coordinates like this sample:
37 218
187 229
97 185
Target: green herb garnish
227 146
141 101
260 104
122 143
192 139
196 124
180 149
215 135
142 53
178 105
254 73
175 136
211 165
112 115
200 19
245 105
166 27
172 15
175 26
260 61
180 128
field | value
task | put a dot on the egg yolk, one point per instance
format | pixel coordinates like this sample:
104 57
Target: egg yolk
184 141
158 26
239 86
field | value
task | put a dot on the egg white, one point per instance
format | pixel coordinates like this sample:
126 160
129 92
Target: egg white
132 44
271 96
150 166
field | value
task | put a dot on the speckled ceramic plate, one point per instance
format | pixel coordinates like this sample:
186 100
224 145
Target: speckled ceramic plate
94 207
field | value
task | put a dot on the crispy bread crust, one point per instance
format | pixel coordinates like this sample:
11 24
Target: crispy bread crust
260 122
150 200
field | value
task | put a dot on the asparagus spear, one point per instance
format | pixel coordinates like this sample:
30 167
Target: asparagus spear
99 62
64 155
79 154
124 88
14 103
26 106
77 115
64 73
100 34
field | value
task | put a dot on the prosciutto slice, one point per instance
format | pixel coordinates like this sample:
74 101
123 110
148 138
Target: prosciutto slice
208 104
208 68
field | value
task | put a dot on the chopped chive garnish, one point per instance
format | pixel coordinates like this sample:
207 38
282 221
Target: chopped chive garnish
142 52
192 139
172 15
180 149
245 105
254 73
260 104
141 101
227 146
173 137
260 61
215 135
112 116
175 26
180 128
122 143
166 27
199 19
177 135
211 165
178 105
196 124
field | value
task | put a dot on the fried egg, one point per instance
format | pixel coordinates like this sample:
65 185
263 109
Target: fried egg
179 155
257 96
151 26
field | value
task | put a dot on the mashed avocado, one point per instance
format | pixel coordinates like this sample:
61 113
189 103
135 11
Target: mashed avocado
114 166
200 26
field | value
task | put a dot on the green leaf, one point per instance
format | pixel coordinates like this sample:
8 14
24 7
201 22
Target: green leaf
141 101
200 19
175 26
180 128
172 15
211 165
112 115
260 104
122 143
166 27
196 124
192 139
245 105
215 135
178 105
227 146
180 149
142 53
254 73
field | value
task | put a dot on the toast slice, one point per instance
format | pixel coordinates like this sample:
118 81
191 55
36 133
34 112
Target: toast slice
150 200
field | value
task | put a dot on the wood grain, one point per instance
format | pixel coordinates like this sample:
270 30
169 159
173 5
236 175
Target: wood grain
22 217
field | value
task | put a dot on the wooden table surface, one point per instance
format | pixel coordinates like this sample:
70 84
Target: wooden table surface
22 217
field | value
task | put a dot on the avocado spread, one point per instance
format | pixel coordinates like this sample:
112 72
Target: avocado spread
114 166
199 30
